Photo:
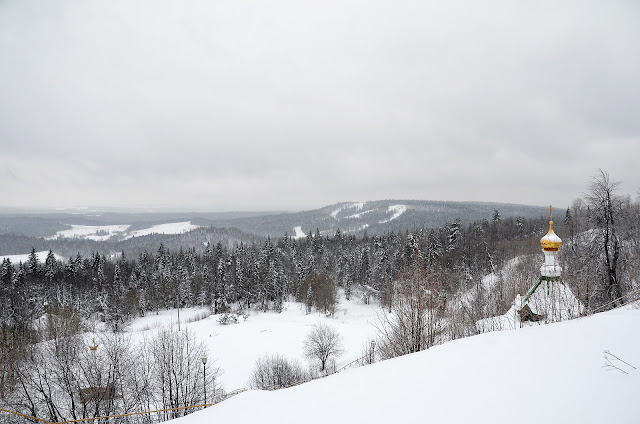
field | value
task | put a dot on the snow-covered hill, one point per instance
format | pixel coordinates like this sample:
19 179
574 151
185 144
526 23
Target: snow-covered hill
547 374
377 217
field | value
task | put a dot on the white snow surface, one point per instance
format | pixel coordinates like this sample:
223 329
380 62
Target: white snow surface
397 210
171 228
106 232
91 232
42 256
359 214
554 301
553 237
298 233
546 374
235 347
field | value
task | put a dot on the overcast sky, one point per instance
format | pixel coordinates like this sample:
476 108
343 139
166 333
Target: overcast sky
288 104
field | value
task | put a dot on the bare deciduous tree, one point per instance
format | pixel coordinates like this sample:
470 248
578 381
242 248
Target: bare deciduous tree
416 318
179 371
605 206
321 344
62 379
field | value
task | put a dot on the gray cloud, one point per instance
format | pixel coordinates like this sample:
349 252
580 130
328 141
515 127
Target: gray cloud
293 105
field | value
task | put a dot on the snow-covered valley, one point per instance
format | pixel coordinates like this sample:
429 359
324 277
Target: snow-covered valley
235 347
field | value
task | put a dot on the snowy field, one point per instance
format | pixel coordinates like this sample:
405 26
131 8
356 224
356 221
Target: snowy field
119 232
102 233
91 232
235 347
15 259
546 374
172 228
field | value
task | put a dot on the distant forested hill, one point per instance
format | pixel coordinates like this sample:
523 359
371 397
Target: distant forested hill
378 217
20 233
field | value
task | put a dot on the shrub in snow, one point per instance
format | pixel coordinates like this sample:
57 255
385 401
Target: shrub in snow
227 318
276 372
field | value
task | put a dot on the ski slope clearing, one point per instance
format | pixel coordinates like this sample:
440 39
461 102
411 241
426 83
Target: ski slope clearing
397 210
42 256
357 206
546 374
298 233
172 228
91 232
359 214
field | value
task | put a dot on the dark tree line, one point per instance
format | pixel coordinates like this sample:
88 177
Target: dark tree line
260 276
264 275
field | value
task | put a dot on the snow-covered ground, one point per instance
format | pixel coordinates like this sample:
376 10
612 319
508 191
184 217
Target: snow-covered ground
15 259
91 232
236 347
546 374
119 232
298 233
171 228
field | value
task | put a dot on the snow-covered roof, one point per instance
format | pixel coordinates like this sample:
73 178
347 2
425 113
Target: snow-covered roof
553 300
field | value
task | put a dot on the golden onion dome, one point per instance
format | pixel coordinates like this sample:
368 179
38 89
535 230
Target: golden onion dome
551 242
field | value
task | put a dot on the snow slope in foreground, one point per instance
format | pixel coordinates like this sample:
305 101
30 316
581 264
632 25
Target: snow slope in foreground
546 374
